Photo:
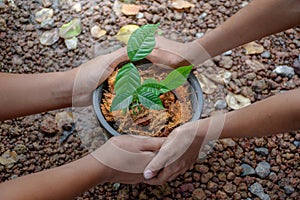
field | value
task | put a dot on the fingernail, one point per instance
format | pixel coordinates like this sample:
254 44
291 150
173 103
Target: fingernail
148 174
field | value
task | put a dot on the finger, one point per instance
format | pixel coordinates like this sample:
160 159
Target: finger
162 177
158 162
152 143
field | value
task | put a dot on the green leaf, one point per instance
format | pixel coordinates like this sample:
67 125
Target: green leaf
142 42
154 88
128 79
149 88
150 80
121 101
71 29
150 101
176 77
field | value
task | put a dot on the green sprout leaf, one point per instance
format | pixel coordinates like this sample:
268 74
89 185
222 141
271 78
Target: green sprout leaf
150 80
150 100
71 29
142 42
176 77
121 101
154 88
128 79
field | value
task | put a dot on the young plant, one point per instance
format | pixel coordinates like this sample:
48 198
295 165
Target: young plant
130 92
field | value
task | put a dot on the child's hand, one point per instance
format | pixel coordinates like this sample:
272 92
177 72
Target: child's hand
177 154
93 73
176 54
125 157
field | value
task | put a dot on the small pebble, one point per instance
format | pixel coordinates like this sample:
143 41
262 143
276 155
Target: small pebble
285 71
140 15
261 151
71 43
266 54
203 15
288 189
247 170
220 104
227 53
199 35
263 169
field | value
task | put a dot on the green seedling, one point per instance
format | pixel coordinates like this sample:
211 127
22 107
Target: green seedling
130 91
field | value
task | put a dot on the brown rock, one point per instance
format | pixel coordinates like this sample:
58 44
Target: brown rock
229 188
230 176
49 126
222 176
201 168
205 177
221 195
212 186
199 194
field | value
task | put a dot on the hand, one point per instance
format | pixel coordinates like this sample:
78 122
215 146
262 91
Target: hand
176 54
177 154
93 73
125 157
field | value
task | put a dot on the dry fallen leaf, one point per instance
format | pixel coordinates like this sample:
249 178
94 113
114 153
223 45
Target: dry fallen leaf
63 118
208 87
118 8
8 158
236 101
125 32
130 9
222 77
255 65
97 32
253 48
181 4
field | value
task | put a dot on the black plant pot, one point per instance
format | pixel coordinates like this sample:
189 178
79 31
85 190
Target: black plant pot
196 100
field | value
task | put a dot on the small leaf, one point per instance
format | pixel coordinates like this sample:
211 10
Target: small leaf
121 101
150 101
150 80
97 32
176 77
71 29
142 42
181 4
130 9
253 48
128 79
150 87
117 8
125 33
236 101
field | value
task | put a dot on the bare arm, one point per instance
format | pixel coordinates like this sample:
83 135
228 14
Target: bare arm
65 182
258 19
24 94
70 180
277 114
280 113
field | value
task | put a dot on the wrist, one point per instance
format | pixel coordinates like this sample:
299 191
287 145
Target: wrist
94 171
65 83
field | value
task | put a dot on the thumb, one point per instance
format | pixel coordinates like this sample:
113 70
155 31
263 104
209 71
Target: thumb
157 163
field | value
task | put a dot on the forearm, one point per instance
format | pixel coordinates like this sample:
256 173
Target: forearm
277 114
255 21
65 182
24 94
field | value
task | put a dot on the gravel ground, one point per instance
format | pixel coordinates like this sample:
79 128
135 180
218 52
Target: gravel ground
253 168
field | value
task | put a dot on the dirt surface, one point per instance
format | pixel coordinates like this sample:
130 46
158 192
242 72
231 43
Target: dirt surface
35 139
